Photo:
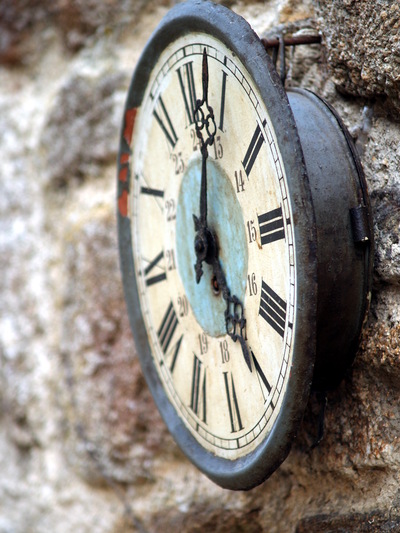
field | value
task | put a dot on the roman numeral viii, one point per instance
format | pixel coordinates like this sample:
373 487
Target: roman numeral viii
253 149
272 309
271 226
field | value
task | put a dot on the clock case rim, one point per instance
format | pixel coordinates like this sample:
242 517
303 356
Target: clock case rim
233 31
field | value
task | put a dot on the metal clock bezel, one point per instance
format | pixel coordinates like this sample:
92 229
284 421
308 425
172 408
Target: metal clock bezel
238 36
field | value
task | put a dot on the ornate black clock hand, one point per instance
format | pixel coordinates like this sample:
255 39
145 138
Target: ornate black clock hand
234 313
204 243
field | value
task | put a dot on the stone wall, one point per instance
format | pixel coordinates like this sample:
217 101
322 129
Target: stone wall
82 447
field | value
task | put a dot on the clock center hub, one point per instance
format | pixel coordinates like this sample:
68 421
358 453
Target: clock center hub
225 220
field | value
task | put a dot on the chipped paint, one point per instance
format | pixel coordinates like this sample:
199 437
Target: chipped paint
130 116
123 204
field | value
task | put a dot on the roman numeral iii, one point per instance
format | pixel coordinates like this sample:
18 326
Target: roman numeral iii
271 226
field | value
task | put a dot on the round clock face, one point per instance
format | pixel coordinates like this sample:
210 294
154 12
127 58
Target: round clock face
227 400
227 406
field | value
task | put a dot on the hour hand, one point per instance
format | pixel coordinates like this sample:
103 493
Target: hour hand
235 322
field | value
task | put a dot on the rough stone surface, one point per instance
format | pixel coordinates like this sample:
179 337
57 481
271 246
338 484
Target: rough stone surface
363 45
82 446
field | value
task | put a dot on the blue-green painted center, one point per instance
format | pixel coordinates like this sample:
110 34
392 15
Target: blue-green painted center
224 218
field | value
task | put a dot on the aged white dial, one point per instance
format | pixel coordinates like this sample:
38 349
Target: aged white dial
228 405
245 242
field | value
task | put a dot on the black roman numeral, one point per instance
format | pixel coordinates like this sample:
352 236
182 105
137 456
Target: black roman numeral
271 226
198 393
152 192
222 106
253 149
262 380
165 123
272 309
175 353
233 406
153 264
186 82
167 328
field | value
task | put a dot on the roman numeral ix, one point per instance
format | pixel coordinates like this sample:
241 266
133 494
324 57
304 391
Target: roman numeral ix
152 265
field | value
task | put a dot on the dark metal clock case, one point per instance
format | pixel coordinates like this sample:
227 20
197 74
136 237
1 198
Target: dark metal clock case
332 269
344 234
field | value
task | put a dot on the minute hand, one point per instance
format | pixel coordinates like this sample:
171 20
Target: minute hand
205 131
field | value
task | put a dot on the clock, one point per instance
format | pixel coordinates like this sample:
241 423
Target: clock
244 238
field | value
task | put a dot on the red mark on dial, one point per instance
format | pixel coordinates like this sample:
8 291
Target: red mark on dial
123 174
124 158
130 116
123 204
